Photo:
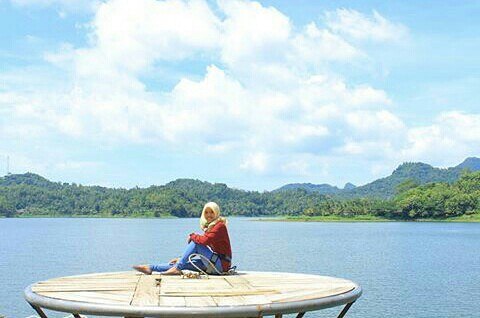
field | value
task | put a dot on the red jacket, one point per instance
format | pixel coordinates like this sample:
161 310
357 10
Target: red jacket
218 240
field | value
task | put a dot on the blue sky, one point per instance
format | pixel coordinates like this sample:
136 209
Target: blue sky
251 94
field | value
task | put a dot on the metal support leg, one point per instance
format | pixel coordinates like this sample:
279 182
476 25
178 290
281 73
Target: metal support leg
300 315
39 311
345 309
278 316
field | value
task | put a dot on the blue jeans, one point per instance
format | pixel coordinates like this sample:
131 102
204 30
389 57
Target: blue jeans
183 263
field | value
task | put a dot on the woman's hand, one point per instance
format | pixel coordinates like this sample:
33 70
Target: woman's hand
188 239
173 261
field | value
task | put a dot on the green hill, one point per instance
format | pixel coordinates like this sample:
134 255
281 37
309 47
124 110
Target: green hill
418 172
309 187
28 178
32 195
471 163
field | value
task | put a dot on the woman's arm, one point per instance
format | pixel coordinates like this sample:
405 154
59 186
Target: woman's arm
208 237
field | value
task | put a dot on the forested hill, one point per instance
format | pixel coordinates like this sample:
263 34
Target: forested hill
418 172
319 188
31 194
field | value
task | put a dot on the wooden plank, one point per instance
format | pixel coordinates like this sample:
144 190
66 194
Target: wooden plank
256 299
85 286
219 293
80 297
85 289
308 294
229 301
130 280
76 289
133 282
143 290
104 284
147 292
113 279
97 275
239 282
119 292
167 301
105 295
237 279
205 301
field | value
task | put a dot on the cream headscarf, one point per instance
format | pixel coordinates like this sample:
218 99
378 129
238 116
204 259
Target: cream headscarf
204 225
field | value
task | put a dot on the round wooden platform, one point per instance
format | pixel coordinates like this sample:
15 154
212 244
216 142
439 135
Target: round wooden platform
246 294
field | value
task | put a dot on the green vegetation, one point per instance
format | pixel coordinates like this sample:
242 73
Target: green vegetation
466 218
33 195
329 218
386 188
29 195
441 200
417 172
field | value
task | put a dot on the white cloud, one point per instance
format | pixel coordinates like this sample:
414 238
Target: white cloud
366 95
210 110
296 167
269 94
295 133
452 137
131 35
252 33
462 125
369 149
21 131
358 26
62 57
317 46
256 162
375 122
78 165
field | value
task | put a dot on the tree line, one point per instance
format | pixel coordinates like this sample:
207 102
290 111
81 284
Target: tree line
30 194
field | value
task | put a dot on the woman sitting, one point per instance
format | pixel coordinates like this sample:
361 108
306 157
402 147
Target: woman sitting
214 244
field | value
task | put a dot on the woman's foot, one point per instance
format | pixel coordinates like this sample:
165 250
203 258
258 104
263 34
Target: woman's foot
143 269
172 271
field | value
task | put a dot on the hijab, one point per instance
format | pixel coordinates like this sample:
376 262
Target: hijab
204 225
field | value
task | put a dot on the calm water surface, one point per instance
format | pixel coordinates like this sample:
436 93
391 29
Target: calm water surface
405 269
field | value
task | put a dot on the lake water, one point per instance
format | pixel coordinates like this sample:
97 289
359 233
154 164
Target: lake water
405 269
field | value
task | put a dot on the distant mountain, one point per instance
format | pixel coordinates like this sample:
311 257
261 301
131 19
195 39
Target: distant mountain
349 186
28 178
419 172
324 188
471 163
309 187
385 187
31 194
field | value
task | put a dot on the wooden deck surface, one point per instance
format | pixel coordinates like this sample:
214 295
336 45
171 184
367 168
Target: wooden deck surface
135 289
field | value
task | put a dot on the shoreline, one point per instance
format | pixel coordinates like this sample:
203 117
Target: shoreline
473 218
67 216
